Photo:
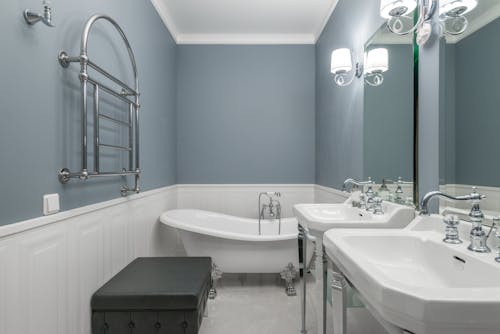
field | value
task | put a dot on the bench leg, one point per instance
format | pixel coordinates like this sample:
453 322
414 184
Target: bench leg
216 275
288 275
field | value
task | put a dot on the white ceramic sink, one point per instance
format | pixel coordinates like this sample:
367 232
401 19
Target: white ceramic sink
322 217
415 281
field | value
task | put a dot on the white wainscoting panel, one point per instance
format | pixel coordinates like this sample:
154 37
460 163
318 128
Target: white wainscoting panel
329 195
3 289
49 271
50 266
241 200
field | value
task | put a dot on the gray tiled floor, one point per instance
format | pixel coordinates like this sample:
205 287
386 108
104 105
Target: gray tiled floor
257 304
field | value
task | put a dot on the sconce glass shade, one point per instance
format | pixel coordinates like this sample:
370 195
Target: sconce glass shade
455 8
395 8
377 61
341 61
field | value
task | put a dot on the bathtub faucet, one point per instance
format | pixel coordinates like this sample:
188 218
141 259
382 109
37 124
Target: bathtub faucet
273 208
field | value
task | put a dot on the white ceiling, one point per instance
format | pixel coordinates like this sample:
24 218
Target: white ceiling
245 21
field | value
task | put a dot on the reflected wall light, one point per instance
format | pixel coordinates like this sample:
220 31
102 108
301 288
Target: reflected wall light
376 63
452 15
400 16
344 67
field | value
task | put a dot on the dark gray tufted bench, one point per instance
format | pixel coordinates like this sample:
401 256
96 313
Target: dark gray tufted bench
154 296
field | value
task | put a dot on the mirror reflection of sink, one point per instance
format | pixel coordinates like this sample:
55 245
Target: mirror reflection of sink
412 279
322 217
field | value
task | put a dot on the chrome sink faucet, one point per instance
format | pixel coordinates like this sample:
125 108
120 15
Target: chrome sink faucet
478 236
349 184
424 206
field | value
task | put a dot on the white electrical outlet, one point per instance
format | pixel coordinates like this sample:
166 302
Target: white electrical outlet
50 204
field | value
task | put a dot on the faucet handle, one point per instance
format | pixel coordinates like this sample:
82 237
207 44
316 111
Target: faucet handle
452 236
369 192
475 196
497 237
377 206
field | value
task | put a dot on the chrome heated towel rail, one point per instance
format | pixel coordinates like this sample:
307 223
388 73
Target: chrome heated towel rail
127 94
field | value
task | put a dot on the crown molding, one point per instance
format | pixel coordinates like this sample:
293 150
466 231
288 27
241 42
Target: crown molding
322 26
484 19
245 39
166 18
235 39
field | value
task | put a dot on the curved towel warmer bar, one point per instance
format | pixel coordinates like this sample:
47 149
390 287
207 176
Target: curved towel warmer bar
124 95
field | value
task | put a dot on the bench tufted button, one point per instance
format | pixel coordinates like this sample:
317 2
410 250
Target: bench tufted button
131 325
105 326
184 324
157 325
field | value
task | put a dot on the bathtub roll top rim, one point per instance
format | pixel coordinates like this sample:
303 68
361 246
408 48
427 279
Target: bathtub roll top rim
229 227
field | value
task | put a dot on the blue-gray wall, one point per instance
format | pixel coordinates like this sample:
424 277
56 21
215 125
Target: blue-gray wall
245 114
475 108
40 127
339 110
388 118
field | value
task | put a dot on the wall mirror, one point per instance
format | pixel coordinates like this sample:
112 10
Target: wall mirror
470 107
389 115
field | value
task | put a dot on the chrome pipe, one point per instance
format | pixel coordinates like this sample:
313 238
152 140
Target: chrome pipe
96 129
117 121
130 137
129 91
304 232
110 90
65 60
137 146
123 148
65 175
84 122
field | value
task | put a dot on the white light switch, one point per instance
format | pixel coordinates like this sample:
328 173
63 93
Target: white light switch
50 204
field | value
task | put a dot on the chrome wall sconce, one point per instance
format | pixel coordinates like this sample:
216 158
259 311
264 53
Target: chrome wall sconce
452 15
345 68
376 63
33 17
400 17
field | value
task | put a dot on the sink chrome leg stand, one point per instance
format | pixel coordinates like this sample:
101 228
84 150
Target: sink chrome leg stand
302 234
288 275
325 288
216 275
306 237
339 302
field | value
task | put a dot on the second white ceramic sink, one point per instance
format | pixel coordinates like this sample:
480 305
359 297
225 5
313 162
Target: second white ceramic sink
323 217
415 281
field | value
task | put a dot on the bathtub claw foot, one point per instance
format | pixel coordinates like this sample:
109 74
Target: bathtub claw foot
216 276
288 275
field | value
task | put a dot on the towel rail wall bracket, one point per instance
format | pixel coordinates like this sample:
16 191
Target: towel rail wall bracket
127 94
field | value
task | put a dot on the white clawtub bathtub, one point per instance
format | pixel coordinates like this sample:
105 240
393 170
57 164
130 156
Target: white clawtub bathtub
234 243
